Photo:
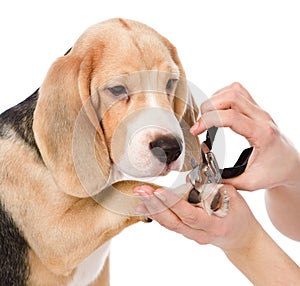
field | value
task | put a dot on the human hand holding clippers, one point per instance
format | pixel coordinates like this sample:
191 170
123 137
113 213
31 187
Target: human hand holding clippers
197 208
274 161
237 233
200 209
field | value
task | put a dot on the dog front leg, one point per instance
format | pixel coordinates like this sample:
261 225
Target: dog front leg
81 228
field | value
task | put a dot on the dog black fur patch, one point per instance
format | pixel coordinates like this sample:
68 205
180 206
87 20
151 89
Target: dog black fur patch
20 119
14 269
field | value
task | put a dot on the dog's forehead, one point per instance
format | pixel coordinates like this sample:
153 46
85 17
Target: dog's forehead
126 44
117 29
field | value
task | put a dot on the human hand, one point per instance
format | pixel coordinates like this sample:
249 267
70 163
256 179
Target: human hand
237 230
274 161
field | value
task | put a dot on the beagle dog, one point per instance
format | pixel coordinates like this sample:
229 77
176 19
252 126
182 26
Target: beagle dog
113 110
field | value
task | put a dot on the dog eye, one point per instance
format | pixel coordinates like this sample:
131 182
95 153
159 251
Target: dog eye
118 90
171 84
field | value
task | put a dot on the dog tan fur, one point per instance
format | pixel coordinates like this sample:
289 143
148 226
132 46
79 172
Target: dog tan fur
42 191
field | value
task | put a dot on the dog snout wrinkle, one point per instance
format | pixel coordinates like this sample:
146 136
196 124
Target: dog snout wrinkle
166 149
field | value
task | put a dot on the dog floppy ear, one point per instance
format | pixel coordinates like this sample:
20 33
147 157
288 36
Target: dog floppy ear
186 111
67 130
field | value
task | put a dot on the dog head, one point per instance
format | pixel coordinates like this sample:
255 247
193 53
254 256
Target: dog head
117 101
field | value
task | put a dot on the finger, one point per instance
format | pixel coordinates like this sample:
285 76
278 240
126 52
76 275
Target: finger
171 221
143 190
238 122
190 215
239 88
243 91
157 210
235 96
245 181
168 209
241 182
232 100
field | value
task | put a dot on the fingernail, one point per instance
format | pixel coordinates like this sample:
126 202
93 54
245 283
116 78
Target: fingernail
143 196
140 193
137 189
160 196
142 190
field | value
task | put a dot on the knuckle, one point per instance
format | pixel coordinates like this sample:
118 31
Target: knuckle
207 106
236 86
266 132
234 96
203 241
191 219
271 130
266 114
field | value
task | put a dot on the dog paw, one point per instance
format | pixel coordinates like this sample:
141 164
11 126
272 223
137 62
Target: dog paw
211 198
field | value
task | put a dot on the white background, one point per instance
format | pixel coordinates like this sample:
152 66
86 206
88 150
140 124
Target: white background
254 42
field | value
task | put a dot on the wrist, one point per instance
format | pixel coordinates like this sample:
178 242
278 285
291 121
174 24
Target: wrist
258 261
291 166
245 240
246 244
291 179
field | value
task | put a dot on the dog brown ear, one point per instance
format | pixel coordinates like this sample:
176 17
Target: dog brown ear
67 130
186 111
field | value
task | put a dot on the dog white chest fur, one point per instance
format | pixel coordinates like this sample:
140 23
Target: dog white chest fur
89 269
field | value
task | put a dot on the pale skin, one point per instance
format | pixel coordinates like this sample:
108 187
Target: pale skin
246 245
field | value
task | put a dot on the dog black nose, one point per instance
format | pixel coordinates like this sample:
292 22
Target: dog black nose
166 148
